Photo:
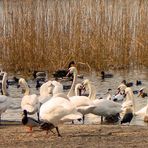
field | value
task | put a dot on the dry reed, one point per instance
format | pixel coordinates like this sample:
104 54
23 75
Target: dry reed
47 34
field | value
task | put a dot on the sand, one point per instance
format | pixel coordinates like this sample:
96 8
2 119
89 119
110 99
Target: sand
75 136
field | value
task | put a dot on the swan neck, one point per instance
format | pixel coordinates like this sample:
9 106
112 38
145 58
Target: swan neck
71 91
92 93
27 90
4 89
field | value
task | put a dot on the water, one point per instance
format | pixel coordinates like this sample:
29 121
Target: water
14 113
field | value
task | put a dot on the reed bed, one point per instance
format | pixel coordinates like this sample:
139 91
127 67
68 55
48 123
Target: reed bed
47 34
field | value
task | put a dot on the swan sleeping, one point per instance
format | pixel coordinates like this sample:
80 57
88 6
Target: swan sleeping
52 112
4 100
29 102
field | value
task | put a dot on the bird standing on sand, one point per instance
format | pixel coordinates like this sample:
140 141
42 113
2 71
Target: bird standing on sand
28 121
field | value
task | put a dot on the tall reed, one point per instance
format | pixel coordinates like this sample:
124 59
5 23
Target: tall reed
47 34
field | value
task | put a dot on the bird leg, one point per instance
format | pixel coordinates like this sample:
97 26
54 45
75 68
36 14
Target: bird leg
30 129
101 119
38 116
83 118
57 129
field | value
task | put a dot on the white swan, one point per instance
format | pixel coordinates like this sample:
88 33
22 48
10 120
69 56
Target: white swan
4 100
82 103
103 107
72 70
49 89
30 103
52 112
129 100
106 108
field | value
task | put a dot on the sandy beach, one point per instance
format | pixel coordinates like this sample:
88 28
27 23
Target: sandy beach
76 136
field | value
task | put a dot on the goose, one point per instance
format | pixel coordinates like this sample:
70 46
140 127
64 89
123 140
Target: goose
52 112
28 121
30 103
128 116
103 107
4 99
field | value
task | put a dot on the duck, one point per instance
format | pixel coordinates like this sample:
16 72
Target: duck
128 116
39 74
5 101
28 121
52 112
106 75
128 84
138 82
30 103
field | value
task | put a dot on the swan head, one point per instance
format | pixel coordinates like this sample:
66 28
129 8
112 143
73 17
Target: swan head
142 92
47 126
122 87
78 89
72 70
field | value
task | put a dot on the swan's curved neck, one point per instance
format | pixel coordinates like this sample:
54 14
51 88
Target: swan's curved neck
71 91
27 90
129 97
92 92
4 89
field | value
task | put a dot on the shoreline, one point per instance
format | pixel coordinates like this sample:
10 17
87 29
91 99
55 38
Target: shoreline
77 136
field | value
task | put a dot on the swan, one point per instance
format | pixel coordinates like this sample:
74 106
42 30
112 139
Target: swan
103 107
143 111
28 121
30 103
52 112
106 108
72 70
49 89
83 104
129 99
4 99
